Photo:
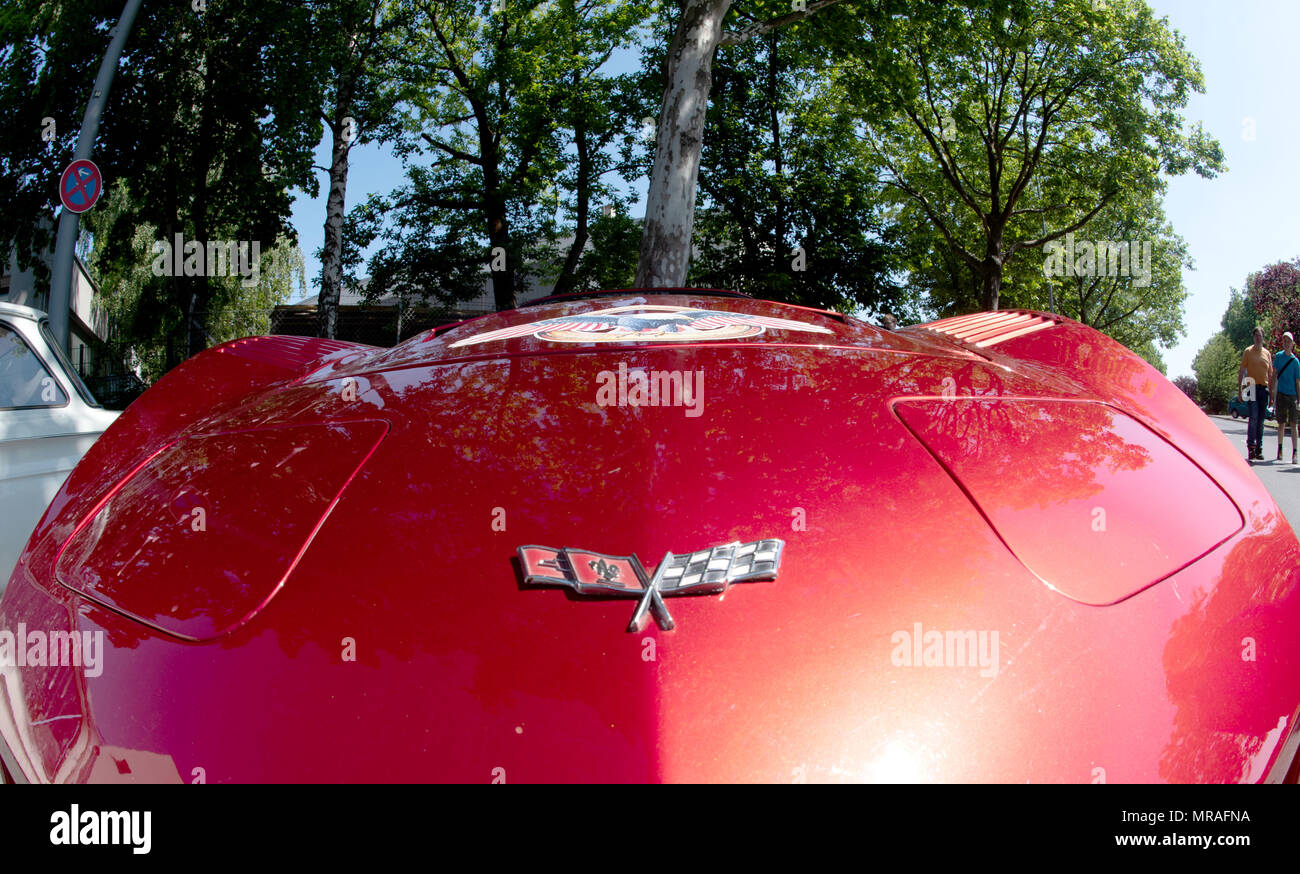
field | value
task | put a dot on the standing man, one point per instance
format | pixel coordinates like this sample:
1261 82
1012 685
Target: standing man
1286 373
1256 374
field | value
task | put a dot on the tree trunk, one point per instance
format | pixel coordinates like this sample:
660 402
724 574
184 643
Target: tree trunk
498 225
331 280
992 275
564 283
503 281
991 269
200 292
774 119
670 203
176 337
200 287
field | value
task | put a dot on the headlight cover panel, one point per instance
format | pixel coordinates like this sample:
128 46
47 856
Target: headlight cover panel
202 536
1093 502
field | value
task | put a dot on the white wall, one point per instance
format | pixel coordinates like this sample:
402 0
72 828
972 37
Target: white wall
23 290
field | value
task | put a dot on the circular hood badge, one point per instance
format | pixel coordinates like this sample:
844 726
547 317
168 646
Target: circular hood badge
645 323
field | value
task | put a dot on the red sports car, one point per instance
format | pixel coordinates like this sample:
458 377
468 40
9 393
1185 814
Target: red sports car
641 536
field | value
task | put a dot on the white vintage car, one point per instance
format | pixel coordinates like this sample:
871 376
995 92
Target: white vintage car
48 419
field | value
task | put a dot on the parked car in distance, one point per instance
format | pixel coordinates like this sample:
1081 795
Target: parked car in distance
1241 410
48 419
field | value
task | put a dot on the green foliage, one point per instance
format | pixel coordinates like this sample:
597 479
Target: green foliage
1143 307
1239 321
357 54
501 100
242 310
1216 366
432 254
919 154
610 260
786 213
1009 124
145 326
598 110
352 55
48 60
205 133
1271 301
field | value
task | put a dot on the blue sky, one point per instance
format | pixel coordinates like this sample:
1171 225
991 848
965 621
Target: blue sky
1249 217
1243 220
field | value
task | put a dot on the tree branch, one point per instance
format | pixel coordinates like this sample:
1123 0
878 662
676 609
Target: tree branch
455 153
1034 244
736 37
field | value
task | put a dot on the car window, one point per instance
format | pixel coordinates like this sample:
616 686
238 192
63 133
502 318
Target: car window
24 379
68 370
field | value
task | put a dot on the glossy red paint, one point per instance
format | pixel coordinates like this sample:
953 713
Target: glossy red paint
461 673
1118 476
211 559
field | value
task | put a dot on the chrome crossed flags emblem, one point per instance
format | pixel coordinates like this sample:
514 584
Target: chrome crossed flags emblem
707 572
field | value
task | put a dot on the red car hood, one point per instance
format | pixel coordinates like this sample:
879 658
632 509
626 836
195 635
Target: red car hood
383 631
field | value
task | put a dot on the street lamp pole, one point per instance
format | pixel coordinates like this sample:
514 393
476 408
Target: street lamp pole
60 302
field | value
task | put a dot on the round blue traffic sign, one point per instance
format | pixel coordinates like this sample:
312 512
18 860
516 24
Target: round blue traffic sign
80 185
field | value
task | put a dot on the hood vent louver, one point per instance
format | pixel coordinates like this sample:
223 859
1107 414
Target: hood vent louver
293 353
988 329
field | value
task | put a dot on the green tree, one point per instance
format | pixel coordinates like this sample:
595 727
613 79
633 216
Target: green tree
687 81
1216 366
1239 321
205 134
131 294
1011 124
481 111
596 110
786 211
1125 279
358 48
503 97
49 55
611 261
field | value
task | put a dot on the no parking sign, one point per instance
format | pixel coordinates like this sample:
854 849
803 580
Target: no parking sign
80 185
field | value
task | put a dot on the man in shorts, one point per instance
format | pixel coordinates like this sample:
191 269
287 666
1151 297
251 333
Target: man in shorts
1286 374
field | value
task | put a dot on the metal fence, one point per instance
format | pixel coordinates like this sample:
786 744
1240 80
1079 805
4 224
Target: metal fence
374 326
116 391
107 377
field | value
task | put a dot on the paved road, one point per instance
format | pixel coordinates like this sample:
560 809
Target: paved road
1281 478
